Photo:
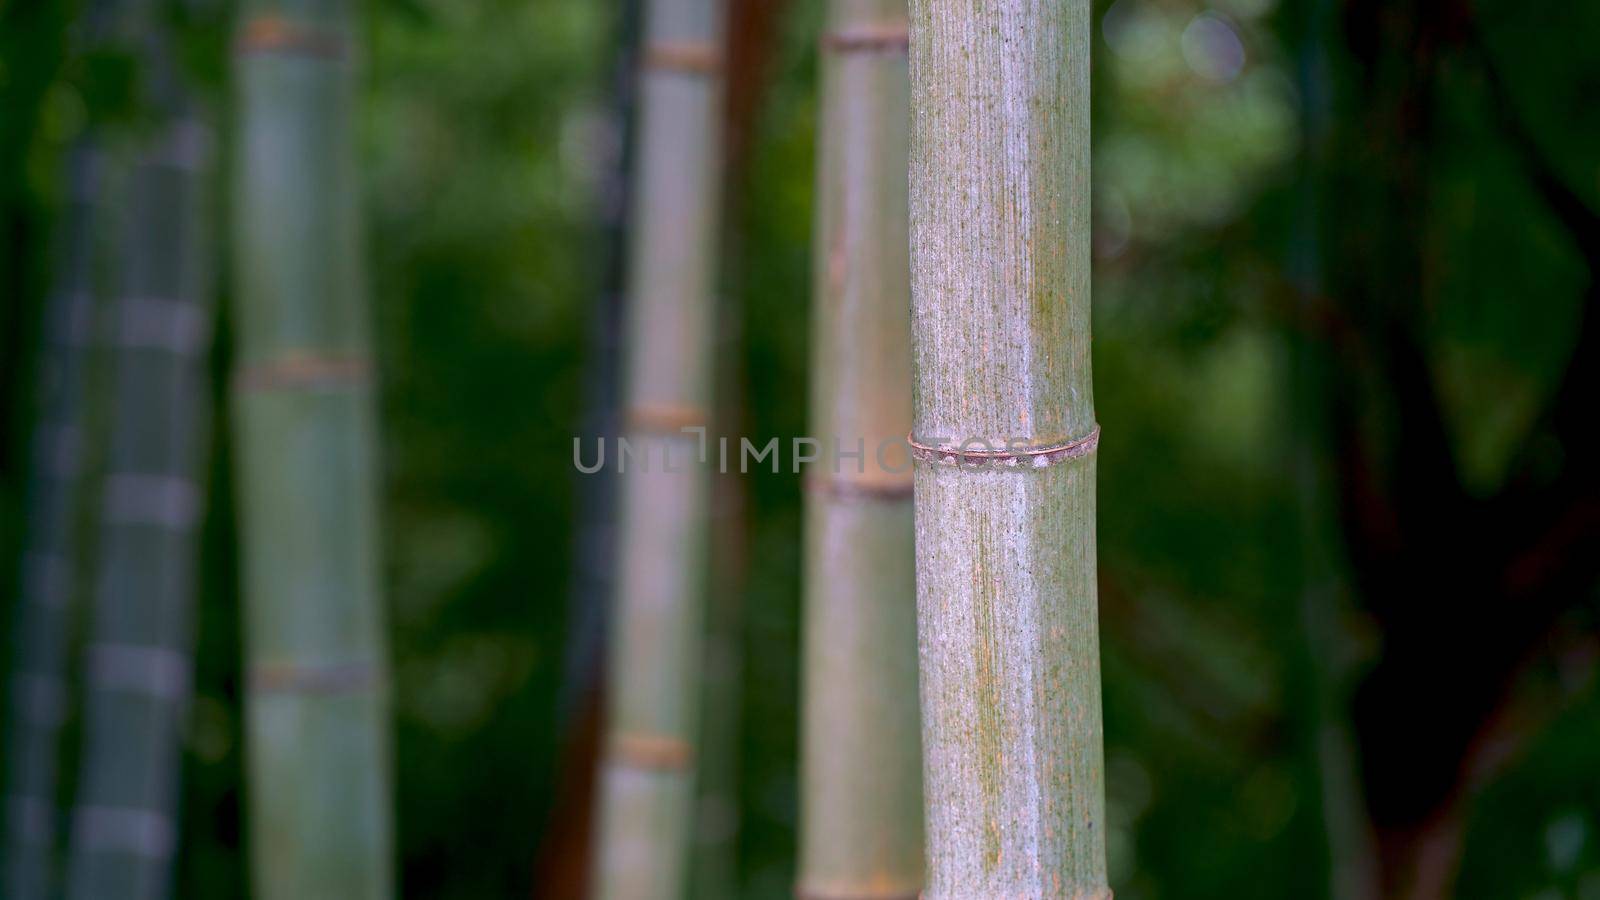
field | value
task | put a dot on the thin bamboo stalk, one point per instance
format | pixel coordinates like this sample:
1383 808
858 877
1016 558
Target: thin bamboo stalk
1319 675
861 787
137 686
1014 774
319 756
565 860
714 856
594 527
39 694
647 784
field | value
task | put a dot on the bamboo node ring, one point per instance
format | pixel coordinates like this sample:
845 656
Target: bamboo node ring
658 418
886 38
313 678
651 752
689 58
274 34
1011 458
304 372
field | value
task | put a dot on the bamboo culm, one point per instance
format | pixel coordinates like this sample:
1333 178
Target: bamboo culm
138 661
646 800
38 696
594 540
136 687
861 769
318 750
1005 541
714 856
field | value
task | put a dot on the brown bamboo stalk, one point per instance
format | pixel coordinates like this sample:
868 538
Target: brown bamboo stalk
861 785
1005 534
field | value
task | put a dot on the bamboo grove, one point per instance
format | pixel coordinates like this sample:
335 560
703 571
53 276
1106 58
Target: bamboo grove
949 719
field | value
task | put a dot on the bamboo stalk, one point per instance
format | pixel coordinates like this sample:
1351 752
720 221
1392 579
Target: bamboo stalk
138 660
38 701
647 790
137 684
565 860
1005 539
714 856
861 787
594 527
317 732
1322 682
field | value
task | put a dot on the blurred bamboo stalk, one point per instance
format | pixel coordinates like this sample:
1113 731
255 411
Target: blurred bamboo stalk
593 575
38 701
714 856
714 871
317 701
647 784
861 786
1322 668
563 864
1005 539
136 689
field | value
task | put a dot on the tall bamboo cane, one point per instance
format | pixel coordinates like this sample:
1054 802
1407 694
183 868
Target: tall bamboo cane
1005 536
38 691
1352 858
647 790
564 864
861 788
714 856
137 687
318 747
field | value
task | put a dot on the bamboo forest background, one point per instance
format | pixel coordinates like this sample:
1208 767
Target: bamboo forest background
1346 339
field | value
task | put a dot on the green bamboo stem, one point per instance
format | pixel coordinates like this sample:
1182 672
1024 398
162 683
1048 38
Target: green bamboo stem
318 745
714 856
647 784
861 785
1005 541
38 692
1352 856
138 660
